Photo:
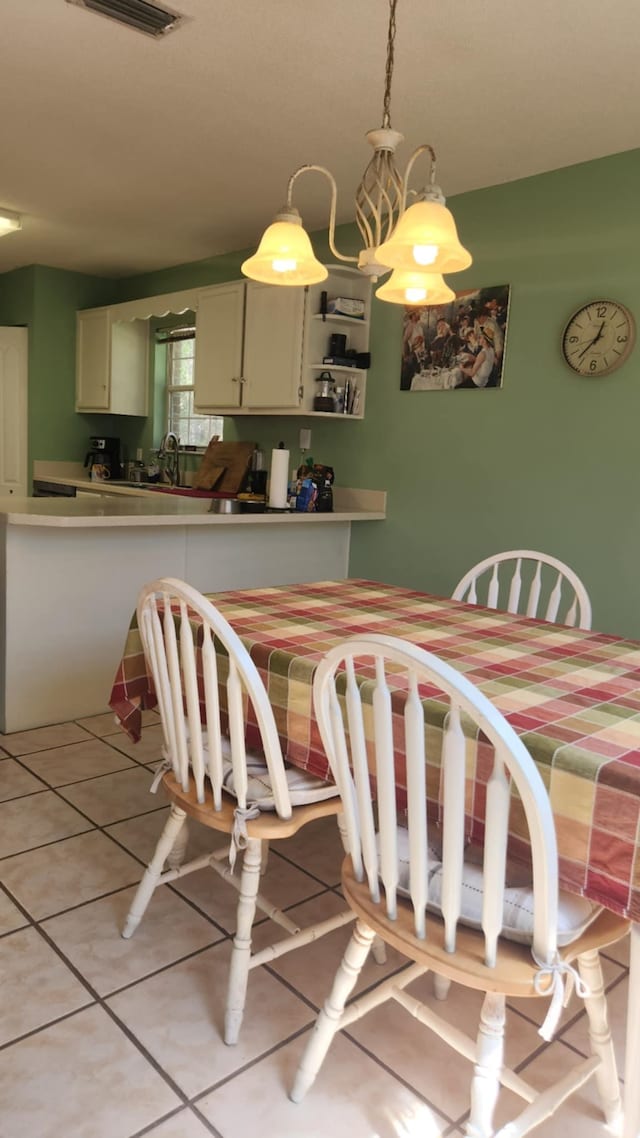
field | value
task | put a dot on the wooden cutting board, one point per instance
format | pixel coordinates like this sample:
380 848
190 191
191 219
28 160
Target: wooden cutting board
233 459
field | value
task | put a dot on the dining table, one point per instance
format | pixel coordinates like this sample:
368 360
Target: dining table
572 695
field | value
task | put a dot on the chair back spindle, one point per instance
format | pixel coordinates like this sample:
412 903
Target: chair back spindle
179 629
554 592
384 707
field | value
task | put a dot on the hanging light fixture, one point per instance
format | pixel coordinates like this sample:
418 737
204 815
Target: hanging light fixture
415 288
421 240
10 222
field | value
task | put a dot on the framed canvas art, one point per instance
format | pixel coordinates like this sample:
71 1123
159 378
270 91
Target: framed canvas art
456 346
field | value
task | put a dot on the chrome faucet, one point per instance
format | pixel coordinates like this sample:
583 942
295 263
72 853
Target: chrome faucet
170 452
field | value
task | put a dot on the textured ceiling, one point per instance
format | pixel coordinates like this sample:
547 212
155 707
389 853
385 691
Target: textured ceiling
125 153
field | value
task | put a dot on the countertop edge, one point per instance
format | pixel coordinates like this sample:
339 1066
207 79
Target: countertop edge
105 521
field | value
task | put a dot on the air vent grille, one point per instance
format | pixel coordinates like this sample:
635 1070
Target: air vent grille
138 14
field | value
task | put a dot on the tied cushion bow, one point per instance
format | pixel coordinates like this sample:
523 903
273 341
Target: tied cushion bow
558 989
239 835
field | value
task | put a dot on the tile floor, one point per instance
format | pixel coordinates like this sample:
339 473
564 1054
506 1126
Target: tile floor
106 1038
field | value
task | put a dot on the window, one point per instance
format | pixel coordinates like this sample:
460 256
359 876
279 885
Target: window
192 429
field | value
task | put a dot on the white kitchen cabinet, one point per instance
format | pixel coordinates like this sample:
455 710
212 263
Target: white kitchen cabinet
112 369
248 348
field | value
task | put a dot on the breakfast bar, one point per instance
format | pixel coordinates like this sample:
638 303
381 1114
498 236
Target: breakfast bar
73 567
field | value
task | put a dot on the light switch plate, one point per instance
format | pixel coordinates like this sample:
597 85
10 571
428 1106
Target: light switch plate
305 438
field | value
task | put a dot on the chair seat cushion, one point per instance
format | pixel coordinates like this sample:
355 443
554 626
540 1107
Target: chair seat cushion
575 914
304 788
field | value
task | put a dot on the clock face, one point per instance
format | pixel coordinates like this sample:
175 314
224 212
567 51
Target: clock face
598 338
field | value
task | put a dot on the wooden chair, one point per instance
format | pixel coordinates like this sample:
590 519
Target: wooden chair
460 919
548 581
213 779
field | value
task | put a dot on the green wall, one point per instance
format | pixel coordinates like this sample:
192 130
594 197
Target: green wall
549 461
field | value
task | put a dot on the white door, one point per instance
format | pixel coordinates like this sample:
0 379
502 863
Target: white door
13 410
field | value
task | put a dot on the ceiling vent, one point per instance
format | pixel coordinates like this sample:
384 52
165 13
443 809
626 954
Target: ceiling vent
138 14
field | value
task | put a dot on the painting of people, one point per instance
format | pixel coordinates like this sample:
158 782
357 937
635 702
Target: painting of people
456 346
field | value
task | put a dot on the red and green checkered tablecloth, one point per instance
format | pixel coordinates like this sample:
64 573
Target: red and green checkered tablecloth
572 695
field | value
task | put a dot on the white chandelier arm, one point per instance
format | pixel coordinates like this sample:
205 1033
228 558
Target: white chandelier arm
334 199
431 191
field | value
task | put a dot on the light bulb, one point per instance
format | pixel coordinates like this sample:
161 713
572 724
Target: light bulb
425 254
414 295
284 265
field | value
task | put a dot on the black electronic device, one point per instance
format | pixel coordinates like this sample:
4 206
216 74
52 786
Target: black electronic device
105 451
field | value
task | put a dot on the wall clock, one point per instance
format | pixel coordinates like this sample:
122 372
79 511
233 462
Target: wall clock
598 338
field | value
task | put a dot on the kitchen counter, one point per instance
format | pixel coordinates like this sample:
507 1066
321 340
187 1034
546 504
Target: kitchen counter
102 504
73 569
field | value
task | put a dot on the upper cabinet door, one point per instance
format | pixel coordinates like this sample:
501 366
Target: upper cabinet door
218 361
93 360
272 346
112 369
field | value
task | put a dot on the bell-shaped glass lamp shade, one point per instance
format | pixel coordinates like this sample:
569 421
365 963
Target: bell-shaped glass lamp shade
284 255
425 239
9 222
415 288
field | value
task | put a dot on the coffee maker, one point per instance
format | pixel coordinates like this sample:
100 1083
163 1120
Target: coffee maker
104 452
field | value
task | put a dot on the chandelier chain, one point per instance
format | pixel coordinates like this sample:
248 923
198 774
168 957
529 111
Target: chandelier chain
386 107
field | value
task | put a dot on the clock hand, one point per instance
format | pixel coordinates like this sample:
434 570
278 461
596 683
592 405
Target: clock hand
592 342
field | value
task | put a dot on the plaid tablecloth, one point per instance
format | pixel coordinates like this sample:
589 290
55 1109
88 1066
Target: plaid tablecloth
573 696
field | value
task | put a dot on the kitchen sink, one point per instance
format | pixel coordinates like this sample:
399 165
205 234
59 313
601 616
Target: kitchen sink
164 488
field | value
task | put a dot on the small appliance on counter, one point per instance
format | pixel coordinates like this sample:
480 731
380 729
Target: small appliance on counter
103 459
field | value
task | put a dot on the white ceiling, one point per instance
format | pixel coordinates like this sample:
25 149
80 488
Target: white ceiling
125 153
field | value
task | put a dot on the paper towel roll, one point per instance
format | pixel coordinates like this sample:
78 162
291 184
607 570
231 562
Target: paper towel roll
279 479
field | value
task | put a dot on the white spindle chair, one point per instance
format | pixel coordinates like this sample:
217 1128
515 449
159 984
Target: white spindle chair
427 913
269 800
548 589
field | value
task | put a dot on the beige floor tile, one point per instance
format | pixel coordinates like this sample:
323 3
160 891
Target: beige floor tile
283 884
536 1010
115 796
352 1098
16 781
148 749
36 986
76 761
10 917
579 1115
81 1078
42 738
107 723
178 1016
140 835
36 820
90 937
47 881
316 848
181 1125
578 1036
311 969
418 1055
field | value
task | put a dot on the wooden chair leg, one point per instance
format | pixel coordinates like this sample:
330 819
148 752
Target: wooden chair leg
328 1021
241 954
441 985
600 1036
486 1073
175 857
264 859
168 837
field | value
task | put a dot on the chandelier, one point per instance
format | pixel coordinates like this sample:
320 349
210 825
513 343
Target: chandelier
418 242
